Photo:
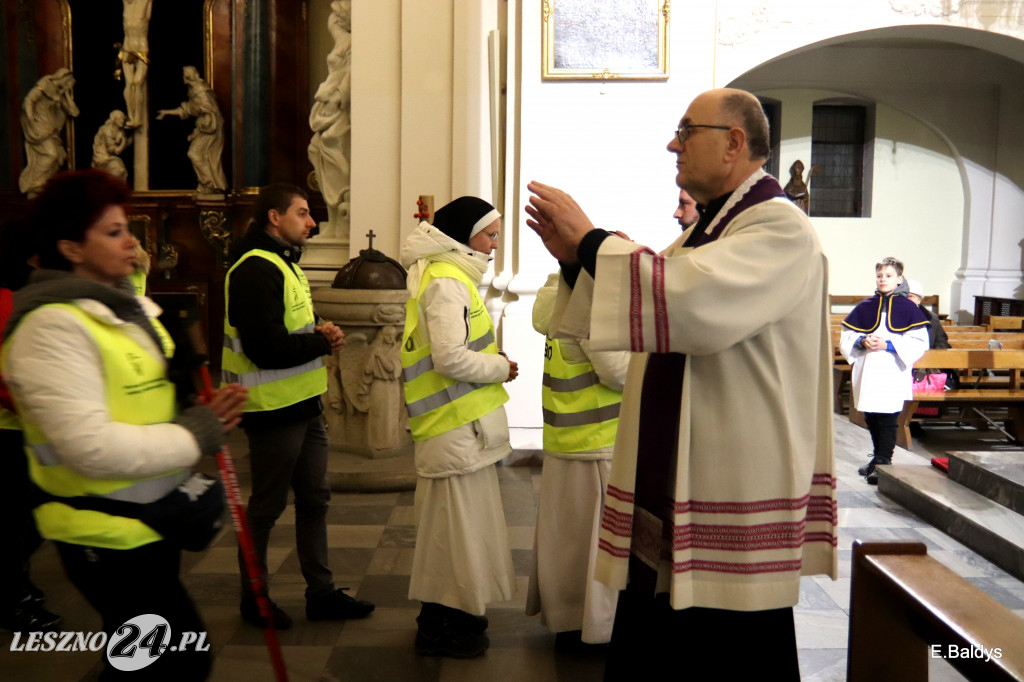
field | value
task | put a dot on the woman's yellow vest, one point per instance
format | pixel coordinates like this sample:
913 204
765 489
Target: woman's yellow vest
580 413
137 392
271 389
9 420
436 403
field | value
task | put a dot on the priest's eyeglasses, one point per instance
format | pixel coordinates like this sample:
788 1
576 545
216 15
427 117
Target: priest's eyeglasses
683 132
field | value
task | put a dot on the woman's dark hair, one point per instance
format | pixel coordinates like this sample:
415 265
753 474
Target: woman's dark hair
68 205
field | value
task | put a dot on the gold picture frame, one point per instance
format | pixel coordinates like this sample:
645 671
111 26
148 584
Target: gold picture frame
611 39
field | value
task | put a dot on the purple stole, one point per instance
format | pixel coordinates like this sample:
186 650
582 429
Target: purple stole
658 431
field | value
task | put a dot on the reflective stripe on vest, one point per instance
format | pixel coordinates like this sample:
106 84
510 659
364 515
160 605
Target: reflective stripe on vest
437 403
137 392
272 389
580 413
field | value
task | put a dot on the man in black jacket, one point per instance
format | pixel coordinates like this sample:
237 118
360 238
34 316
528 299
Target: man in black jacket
274 345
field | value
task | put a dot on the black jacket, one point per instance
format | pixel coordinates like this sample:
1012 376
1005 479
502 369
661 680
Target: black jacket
256 310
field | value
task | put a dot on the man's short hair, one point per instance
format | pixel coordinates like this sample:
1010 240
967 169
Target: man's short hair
748 111
891 262
278 197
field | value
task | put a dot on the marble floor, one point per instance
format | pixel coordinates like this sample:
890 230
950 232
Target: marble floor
371 539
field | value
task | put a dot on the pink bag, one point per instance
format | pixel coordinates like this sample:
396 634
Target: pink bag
931 383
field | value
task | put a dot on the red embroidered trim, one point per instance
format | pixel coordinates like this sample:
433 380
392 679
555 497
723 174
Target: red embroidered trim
823 508
741 507
824 479
743 569
739 538
617 552
617 523
620 494
830 538
660 309
636 330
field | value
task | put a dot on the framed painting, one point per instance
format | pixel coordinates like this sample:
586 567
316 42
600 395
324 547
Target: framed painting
611 39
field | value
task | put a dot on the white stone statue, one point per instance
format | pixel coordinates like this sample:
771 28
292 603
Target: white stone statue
382 371
133 56
109 142
207 139
43 114
330 120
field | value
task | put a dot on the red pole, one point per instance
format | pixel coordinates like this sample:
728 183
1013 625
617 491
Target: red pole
234 494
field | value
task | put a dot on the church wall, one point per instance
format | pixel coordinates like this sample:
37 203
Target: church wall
377 75
917 204
969 98
604 143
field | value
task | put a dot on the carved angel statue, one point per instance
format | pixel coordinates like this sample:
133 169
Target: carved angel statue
330 121
43 114
207 139
109 142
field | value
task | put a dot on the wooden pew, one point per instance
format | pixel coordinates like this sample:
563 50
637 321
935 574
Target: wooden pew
1011 361
982 344
996 322
987 336
903 604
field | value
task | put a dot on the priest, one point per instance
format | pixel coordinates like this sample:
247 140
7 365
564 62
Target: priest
722 491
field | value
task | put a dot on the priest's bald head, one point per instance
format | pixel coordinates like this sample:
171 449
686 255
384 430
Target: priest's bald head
722 139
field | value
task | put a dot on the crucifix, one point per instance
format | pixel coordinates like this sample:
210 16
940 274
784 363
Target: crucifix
371 235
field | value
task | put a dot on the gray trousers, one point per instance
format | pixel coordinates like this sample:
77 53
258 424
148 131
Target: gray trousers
291 455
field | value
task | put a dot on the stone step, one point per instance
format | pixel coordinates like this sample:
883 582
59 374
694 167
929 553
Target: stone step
999 476
987 527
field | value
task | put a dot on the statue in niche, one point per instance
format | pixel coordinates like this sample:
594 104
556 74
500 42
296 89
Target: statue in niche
43 114
133 58
382 370
207 139
796 189
108 144
330 121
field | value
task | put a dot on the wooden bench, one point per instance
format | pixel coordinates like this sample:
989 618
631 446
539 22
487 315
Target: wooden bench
906 607
996 323
982 344
971 396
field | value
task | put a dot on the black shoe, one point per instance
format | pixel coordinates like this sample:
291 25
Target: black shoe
474 624
251 615
867 468
34 593
29 617
336 605
467 621
872 478
447 637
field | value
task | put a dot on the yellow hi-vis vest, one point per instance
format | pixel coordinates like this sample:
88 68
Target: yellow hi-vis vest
137 392
436 403
580 413
272 389
9 420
